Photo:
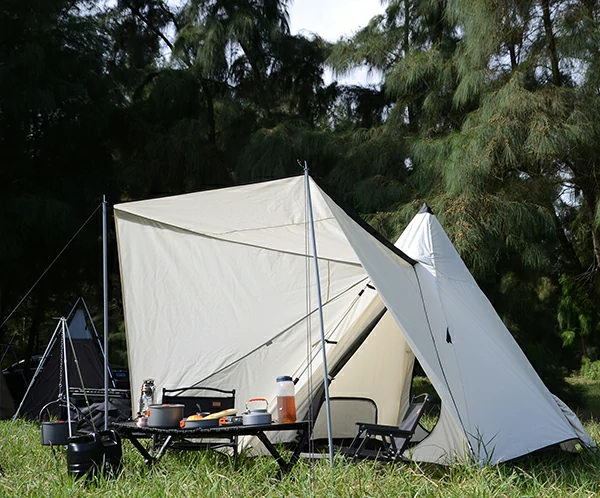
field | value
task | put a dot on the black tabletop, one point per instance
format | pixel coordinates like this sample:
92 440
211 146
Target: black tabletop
131 427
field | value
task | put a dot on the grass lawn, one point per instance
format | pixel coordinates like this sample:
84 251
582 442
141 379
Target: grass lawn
30 469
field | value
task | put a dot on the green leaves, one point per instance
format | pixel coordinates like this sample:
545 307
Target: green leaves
489 111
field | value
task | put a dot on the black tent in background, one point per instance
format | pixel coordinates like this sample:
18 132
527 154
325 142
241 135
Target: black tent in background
85 362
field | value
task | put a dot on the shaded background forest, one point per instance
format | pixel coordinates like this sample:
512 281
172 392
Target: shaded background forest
487 110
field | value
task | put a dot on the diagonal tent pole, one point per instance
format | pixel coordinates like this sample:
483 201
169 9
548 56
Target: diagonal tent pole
41 364
111 377
105 285
316 260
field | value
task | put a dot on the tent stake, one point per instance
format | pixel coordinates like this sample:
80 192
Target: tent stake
105 285
316 260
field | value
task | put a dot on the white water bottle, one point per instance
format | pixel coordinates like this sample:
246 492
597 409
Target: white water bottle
286 401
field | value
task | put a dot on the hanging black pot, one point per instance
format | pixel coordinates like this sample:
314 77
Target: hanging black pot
56 432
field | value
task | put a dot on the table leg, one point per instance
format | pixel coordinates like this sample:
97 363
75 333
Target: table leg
284 467
148 458
300 446
163 448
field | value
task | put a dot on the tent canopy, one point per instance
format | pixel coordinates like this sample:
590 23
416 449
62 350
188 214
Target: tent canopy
218 290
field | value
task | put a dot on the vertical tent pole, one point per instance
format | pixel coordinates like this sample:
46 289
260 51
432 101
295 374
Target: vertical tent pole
63 323
105 285
324 354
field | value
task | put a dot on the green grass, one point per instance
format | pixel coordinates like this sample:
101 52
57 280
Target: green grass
33 470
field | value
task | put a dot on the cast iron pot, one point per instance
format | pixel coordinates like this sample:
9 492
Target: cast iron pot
56 433
257 416
165 416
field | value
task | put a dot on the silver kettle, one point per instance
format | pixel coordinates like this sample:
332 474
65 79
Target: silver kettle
256 416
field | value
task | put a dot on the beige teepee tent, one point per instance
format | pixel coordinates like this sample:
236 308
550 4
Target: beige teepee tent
218 291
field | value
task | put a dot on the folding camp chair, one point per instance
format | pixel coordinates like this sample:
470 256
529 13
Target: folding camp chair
196 400
394 439
199 399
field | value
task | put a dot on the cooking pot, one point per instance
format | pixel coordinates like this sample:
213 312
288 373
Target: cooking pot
165 416
56 433
257 416
186 423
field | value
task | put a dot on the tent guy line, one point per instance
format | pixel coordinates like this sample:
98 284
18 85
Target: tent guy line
283 332
44 273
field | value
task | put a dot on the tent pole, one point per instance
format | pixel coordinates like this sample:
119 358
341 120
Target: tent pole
63 324
316 260
105 285
111 377
38 370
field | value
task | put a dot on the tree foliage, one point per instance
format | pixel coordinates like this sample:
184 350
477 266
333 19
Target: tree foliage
486 110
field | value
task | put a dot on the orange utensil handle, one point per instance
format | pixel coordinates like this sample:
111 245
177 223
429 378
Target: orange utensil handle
257 399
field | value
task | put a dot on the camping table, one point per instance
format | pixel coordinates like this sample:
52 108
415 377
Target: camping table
129 430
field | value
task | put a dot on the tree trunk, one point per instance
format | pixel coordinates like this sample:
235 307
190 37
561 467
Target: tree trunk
585 179
589 201
210 107
2 312
568 251
513 57
34 329
257 72
550 41
406 26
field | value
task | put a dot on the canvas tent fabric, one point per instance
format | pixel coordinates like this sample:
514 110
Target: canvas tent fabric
495 390
87 356
218 290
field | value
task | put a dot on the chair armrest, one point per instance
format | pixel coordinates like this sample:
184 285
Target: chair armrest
383 429
368 425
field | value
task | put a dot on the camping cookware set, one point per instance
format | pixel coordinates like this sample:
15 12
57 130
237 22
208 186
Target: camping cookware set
171 416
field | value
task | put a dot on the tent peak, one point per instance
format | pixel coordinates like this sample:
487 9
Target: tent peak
425 209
